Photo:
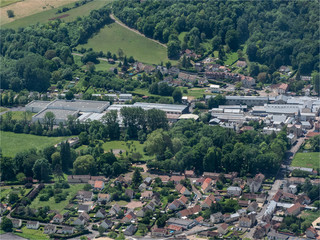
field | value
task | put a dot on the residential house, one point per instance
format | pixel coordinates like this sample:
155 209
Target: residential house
98 185
295 209
183 190
223 228
242 212
183 200
16 223
311 232
82 219
33 224
147 181
292 189
101 213
283 88
212 175
303 199
241 64
103 197
177 179
245 222
234 191
243 203
142 212
84 195
129 218
284 69
164 178
49 229
272 235
142 186
115 209
106 224
130 230
78 178
84 208
208 201
151 206
189 173
247 82
58 218
129 193
256 182
174 228
67 230
253 206
199 181
233 217
176 204
159 232
216 217
206 186
146 195
276 220
189 211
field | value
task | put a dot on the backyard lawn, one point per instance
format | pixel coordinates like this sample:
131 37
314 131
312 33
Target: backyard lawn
33 234
12 143
114 37
74 188
308 160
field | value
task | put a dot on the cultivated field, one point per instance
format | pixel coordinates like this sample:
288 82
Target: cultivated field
12 143
49 13
113 36
308 160
28 7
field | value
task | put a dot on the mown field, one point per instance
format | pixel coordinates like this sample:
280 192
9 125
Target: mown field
12 143
308 160
44 16
114 37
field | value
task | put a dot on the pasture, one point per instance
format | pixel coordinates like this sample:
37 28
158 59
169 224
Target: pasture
308 160
44 15
12 143
114 37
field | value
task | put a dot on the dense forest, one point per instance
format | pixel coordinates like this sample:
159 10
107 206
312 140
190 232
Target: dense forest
275 32
192 145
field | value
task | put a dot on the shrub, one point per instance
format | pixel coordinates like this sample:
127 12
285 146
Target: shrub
10 13
44 198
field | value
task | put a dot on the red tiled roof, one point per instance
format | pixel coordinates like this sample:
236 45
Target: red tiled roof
98 184
199 219
174 228
206 183
183 199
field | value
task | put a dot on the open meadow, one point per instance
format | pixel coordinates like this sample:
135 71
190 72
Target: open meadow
4 3
44 15
12 143
113 36
308 160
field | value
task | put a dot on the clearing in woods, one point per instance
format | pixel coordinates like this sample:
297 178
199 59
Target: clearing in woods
113 36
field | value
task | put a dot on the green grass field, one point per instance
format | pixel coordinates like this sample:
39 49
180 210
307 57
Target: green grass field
57 206
195 92
231 58
3 109
19 115
4 3
12 143
32 234
113 36
43 17
134 146
309 160
102 66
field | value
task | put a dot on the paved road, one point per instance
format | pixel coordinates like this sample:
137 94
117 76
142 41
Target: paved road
136 31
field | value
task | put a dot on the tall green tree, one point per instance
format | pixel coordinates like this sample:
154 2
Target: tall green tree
41 169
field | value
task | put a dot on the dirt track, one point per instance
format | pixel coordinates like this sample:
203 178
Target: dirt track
136 31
